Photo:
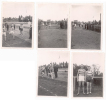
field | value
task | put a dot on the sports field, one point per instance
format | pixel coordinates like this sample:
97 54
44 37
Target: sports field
19 40
53 87
52 37
85 39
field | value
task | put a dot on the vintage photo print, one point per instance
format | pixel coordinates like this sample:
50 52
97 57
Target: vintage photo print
53 68
86 26
88 73
17 24
52 25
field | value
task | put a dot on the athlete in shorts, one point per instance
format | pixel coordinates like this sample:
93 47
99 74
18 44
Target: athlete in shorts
81 78
89 78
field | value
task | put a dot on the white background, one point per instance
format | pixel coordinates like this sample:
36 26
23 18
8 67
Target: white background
18 67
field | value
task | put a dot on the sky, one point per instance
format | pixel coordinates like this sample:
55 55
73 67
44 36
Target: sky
52 11
86 12
52 56
16 9
89 59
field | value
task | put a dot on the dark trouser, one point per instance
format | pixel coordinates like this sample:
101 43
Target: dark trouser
56 74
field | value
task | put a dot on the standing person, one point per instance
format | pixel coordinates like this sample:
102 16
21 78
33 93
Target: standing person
4 32
30 32
55 70
47 70
60 25
12 31
81 77
21 29
14 26
74 25
51 71
89 78
7 27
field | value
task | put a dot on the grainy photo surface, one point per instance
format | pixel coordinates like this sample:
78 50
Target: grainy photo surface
17 25
86 26
53 73
88 69
52 25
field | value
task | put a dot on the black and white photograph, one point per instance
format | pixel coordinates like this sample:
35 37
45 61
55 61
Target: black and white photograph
53 73
88 73
17 23
52 25
86 26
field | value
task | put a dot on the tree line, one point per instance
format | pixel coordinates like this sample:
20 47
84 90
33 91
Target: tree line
19 19
96 69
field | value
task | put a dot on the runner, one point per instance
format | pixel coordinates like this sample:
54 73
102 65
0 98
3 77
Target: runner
89 78
81 78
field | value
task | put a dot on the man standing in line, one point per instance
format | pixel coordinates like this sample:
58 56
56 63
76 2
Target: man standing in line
55 70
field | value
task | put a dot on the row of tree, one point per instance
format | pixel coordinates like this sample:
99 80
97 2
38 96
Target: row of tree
95 69
89 22
19 19
60 65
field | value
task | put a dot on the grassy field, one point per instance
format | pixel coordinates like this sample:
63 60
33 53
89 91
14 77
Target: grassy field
49 87
52 37
53 87
85 39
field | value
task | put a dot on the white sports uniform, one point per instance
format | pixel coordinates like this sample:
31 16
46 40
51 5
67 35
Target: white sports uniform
81 75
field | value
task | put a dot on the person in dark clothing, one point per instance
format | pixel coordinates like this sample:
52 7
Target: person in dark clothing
14 26
30 32
47 70
7 27
55 70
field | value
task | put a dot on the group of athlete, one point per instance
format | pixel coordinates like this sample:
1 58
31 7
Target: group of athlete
84 76
11 30
49 70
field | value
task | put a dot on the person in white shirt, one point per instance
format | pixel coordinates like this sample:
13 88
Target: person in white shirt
81 78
